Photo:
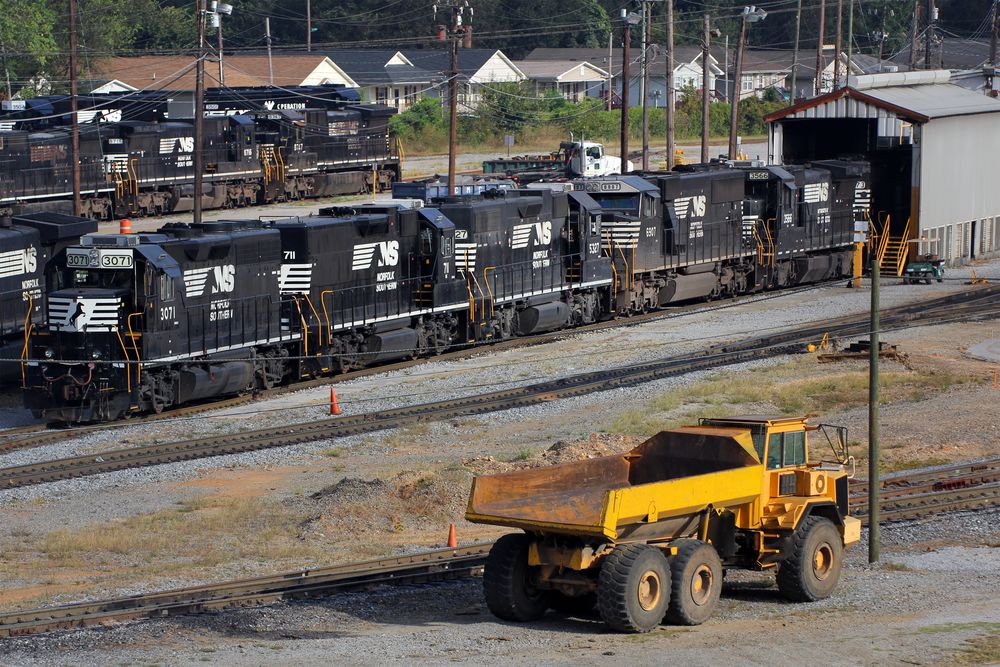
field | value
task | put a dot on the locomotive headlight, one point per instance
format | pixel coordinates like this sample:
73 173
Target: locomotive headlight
49 354
95 354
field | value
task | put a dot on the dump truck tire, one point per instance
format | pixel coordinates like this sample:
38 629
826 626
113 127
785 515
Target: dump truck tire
696 582
633 588
812 568
572 605
507 585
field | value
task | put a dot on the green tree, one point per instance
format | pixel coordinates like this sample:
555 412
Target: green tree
26 43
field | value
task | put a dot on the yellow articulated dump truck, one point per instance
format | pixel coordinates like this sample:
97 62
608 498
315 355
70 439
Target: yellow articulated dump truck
645 535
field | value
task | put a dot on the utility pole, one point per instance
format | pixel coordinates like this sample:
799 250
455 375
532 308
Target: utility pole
669 92
6 68
199 105
873 382
836 48
626 56
929 33
644 86
993 37
705 109
734 104
309 26
611 75
913 35
818 83
218 35
73 107
795 51
270 63
456 31
850 41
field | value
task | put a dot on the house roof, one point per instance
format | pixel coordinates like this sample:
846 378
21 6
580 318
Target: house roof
953 53
438 61
599 57
556 70
916 96
369 67
178 72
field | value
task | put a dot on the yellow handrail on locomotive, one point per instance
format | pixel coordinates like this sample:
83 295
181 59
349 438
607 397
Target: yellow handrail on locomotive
133 176
611 255
305 329
132 336
486 280
279 161
480 289
326 315
305 295
28 326
128 361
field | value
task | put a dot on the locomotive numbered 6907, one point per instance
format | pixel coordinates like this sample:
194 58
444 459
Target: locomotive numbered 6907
147 321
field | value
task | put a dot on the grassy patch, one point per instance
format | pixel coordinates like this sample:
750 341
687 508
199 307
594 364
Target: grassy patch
199 533
523 455
910 464
983 650
802 386
973 626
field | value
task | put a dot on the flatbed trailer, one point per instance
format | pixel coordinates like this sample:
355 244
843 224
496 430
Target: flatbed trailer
645 535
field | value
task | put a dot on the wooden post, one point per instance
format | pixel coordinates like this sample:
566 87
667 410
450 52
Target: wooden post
669 92
706 55
873 397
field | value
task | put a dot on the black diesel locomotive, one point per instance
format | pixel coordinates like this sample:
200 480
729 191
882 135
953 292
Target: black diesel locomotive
143 322
27 243
256 151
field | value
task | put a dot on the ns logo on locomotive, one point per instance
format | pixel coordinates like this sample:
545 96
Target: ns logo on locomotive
193 312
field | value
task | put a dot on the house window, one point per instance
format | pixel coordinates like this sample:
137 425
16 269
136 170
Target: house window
746 83
381 94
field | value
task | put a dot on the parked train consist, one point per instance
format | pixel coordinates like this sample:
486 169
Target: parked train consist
256 151
147 321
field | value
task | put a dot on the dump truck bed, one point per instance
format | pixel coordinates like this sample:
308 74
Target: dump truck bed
655 490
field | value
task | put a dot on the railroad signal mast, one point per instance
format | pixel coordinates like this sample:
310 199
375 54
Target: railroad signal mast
457 31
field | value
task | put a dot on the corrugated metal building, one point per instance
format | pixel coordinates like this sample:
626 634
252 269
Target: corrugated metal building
935 154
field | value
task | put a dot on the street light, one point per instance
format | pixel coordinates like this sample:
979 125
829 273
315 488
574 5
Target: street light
751 14
216 10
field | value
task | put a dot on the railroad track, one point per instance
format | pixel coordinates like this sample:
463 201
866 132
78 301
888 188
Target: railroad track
414 568
38 435
577 385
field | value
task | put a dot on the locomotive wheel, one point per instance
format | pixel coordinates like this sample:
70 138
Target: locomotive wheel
696 574
633 588
812 568
508 581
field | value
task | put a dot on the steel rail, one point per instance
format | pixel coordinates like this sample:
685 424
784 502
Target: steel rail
423 567
427 566
577 385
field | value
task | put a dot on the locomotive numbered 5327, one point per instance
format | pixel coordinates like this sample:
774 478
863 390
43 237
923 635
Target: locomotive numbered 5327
147 321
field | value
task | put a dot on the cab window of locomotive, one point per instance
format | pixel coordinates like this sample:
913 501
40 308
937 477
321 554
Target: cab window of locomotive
628 203
595 220
426 241
166 288
446 246
104 278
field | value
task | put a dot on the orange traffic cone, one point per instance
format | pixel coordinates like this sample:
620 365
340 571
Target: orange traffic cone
125 226
452 540
334 405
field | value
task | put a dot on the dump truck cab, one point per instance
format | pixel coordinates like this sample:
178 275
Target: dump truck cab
645 535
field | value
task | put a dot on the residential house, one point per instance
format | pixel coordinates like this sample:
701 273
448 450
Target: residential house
477 68
574 80
687 70
178 72
385 76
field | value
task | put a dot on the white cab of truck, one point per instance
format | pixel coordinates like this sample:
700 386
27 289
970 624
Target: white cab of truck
592 161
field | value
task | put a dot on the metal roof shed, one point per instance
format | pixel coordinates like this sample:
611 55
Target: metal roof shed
933 147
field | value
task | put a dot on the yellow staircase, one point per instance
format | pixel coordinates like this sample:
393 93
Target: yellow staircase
894 251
